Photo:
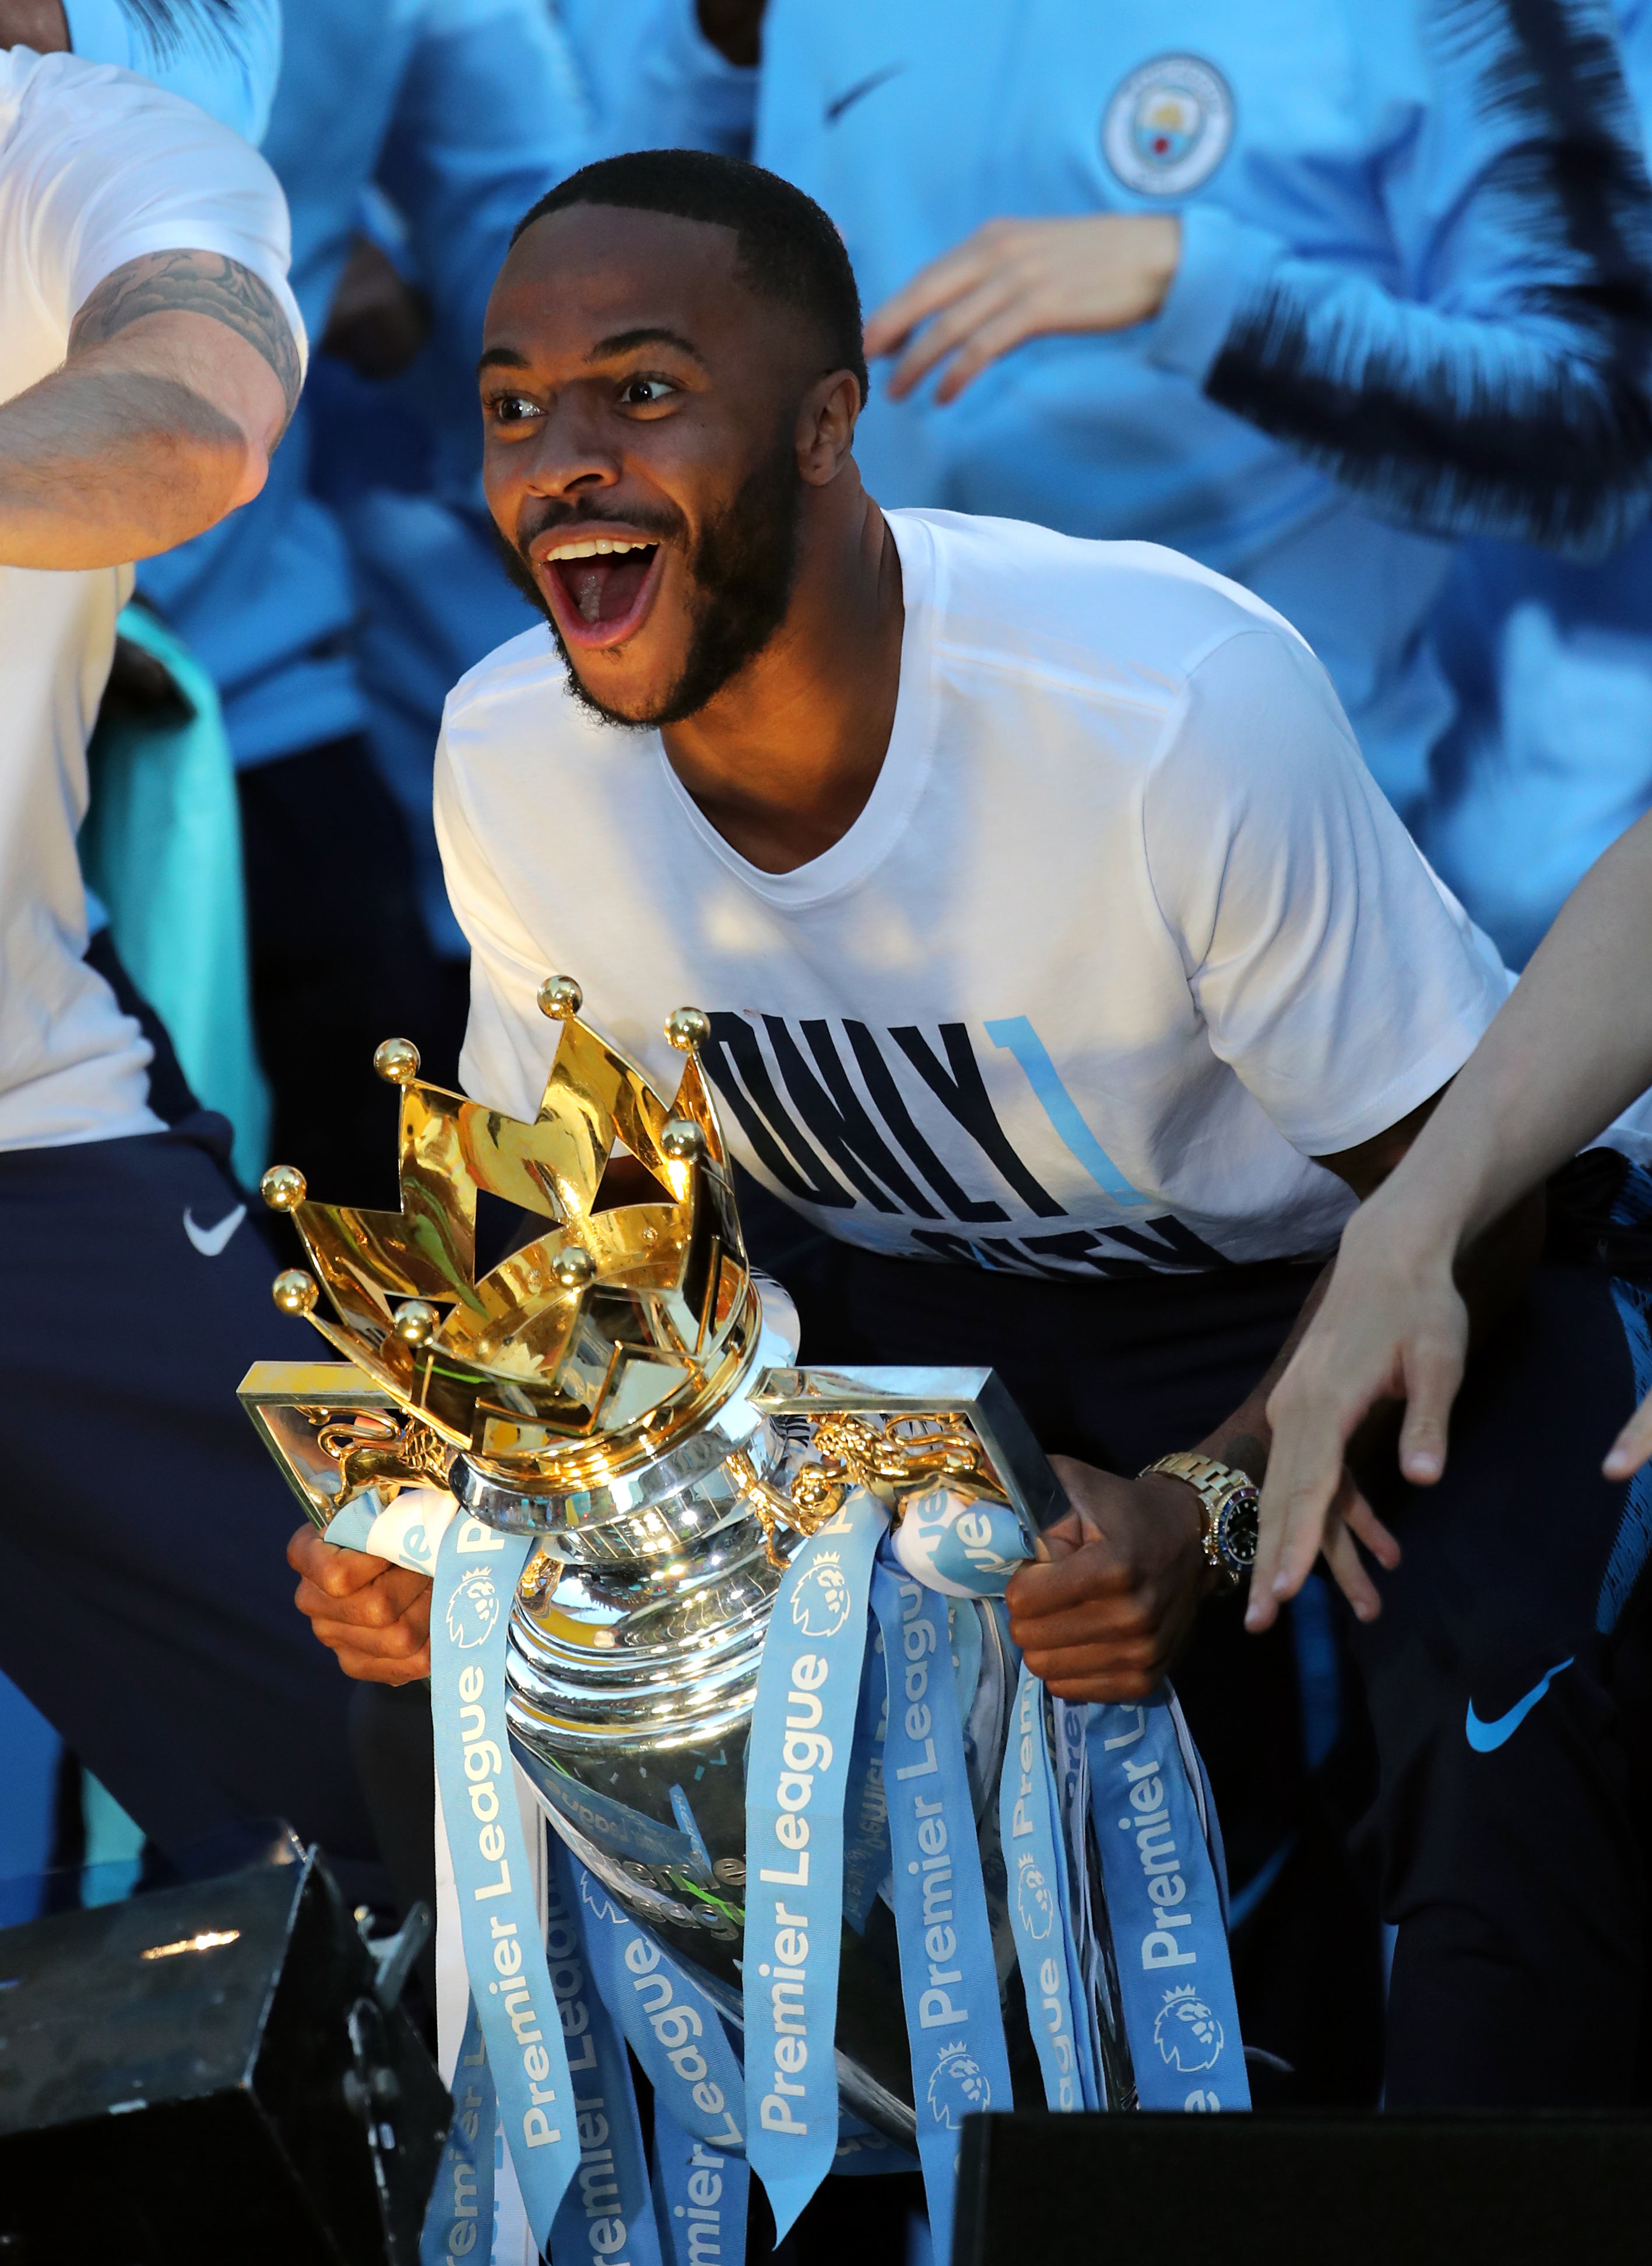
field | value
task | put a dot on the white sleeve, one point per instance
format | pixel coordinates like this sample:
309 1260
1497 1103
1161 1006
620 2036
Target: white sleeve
1334 971
116 168
508 1044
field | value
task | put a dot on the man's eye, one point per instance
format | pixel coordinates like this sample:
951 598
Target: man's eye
511 408
643 392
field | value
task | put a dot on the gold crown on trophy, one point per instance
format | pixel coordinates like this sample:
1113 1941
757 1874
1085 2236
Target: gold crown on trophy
601 1341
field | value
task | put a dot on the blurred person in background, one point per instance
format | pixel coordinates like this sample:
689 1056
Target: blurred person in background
1304 292
222 54
408 135
1308 293
151 357
1550 755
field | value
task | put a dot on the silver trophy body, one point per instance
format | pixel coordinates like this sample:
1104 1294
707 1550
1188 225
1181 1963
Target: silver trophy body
633 1669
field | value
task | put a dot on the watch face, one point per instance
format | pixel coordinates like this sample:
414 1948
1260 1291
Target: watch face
1236 1530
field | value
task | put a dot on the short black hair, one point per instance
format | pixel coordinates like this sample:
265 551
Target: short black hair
788 249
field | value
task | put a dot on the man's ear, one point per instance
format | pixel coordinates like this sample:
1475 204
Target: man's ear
826 427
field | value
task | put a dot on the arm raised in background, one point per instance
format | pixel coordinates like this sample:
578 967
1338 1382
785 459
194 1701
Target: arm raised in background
1572 1047
1506 395
182 373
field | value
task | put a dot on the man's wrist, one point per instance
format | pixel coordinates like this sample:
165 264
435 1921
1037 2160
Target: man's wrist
1224 1498
1180 1509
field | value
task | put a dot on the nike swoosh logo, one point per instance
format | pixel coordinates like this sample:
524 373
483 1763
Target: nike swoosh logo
836 109
209 1241
1486 1737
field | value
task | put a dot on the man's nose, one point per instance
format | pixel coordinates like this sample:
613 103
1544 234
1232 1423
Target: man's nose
571 452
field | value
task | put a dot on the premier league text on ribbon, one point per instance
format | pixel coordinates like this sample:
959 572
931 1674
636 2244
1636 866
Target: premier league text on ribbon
806 1751
935 2008
484 1767
1148 1820
476 1572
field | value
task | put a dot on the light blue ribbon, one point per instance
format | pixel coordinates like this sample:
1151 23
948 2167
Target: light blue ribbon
948 1975
462 2200
802 1731
700 2197
866 1814
1073 1766
1035 1863
1165 1908
673 2027
606 2218
476 1576
961 1544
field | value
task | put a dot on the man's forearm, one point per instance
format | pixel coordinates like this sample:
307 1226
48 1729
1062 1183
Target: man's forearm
99 467
1571 1047
1489 1276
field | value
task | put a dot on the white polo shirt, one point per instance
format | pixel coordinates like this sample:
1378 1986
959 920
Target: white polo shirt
1124 938
97 168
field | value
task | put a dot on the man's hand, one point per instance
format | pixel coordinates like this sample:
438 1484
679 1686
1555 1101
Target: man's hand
374 1616
1392 1325
1106 1616
378 322
1015 280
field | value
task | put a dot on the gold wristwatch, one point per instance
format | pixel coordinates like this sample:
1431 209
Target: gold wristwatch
1229 1499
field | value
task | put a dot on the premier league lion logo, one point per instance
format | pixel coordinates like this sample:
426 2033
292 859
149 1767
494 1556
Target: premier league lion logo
820 1603
1032 1899
1187 2032
958 2087
473 1608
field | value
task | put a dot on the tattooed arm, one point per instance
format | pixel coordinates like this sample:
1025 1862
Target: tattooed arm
182 373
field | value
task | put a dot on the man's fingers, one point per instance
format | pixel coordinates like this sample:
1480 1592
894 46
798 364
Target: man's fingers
1363 1521
1095 1620
1305 1471
367 1668
1347 1569
1124 1687
931 288
375 1605
1433 1372
336 1571
1633 1445
395 1641
947 332
1090 1573
990 340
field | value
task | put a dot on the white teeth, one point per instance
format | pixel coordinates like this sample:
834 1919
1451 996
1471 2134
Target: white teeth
599 550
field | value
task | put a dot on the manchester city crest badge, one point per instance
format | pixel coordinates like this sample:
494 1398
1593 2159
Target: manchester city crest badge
1168 126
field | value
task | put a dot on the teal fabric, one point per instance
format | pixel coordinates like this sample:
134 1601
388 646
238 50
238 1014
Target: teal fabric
161 846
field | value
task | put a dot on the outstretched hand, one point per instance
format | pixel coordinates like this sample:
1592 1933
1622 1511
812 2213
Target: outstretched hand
1015 280
374 1616
1391 1326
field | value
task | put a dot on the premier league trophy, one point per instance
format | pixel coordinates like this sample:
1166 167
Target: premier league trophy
615 1390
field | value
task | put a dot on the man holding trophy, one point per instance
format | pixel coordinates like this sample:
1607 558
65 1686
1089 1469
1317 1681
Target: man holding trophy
1063 965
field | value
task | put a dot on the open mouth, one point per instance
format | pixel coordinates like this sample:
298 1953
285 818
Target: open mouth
600 587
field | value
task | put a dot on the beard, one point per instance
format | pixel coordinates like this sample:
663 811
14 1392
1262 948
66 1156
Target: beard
743 569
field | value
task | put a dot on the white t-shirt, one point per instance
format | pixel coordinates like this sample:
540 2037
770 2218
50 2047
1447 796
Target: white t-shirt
97 167
1124 937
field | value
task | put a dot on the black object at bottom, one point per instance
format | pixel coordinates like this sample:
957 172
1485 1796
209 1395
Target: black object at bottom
208 2073
1297 2190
